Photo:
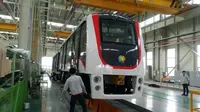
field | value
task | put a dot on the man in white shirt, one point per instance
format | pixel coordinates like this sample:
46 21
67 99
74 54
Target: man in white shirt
76 88
185 82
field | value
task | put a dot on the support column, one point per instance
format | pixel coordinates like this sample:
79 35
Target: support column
194 42
25 25
154 50
36 34
178 48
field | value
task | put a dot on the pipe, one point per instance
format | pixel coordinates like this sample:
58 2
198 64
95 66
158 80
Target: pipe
190 47
174 43
171 37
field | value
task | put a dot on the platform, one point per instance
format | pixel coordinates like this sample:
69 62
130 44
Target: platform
154 99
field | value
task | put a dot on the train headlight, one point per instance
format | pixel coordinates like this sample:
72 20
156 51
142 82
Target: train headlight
97 88
140 81
97 79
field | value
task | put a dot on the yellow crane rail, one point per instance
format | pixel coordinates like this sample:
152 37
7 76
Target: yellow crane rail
62 34
8 27
133 7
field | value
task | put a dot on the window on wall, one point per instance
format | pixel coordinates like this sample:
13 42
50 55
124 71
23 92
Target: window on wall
198 57
171 61
149 59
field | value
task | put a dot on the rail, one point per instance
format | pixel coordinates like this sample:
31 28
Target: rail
193 92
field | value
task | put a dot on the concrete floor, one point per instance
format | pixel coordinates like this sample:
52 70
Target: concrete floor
165 100
55 102
155 99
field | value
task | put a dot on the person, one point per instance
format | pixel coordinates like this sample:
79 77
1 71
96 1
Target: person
74 85
185 83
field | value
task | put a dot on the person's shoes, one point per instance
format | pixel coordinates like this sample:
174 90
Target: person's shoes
183 94
186 95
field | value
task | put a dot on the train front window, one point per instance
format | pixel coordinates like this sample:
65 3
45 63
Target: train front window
119 32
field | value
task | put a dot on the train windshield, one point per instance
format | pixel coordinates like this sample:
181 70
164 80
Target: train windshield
116 31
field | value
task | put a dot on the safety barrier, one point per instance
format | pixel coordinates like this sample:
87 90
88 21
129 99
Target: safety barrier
12 99
192 92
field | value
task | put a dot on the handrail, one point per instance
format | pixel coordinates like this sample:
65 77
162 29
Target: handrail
1 86
192 109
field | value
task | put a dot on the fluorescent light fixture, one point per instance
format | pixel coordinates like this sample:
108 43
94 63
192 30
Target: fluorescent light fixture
71 26
114 12
55 24
48 23
12 33
56 38
8 17
60 24
167 16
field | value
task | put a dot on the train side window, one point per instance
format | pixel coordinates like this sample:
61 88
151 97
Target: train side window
62 57
76 44
65 53
83 41
60 54
69 50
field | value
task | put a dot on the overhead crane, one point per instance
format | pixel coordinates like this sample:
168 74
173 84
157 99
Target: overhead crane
13 27
62 34
132 7
8 27
135 6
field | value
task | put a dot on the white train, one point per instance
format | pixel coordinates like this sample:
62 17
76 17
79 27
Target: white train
108 51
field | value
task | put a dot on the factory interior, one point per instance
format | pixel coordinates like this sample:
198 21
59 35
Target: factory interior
130 55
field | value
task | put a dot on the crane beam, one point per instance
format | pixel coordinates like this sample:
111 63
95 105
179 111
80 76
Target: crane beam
129 6
62 34
8 27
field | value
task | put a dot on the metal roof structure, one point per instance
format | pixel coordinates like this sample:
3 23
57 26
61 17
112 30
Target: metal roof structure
65 15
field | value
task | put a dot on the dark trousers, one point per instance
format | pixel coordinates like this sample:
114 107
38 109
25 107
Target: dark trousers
81 101
185 89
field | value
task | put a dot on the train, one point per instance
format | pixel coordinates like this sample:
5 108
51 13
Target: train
108 52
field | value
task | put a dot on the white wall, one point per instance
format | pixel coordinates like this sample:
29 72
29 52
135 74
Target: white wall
183 27
52 49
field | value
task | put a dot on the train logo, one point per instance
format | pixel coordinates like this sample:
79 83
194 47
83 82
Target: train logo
121 59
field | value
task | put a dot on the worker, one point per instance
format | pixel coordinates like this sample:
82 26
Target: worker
74 85
185 82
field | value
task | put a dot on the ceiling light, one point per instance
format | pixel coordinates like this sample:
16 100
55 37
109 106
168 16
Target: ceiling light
48 23
8 17
60 25
12 33
71 26
114 12
55 38
55 24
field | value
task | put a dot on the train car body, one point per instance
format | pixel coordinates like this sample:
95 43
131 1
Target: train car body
56 72
108 51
